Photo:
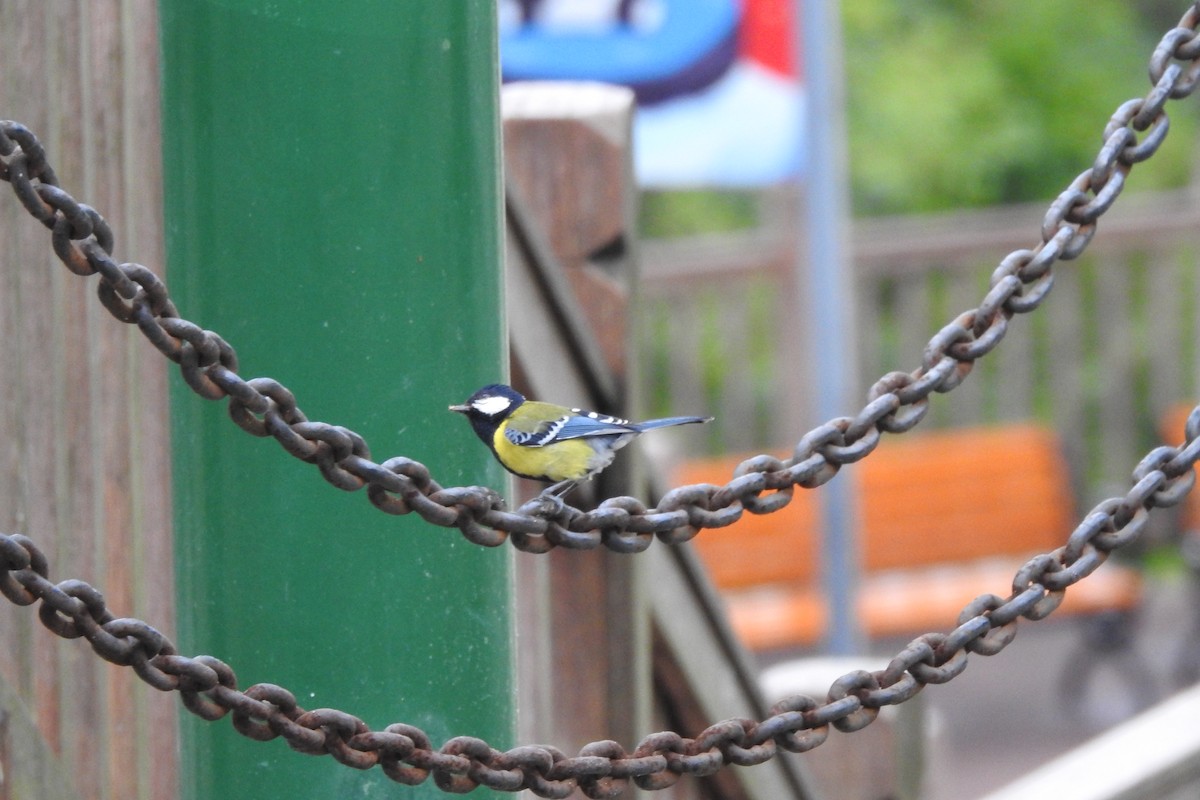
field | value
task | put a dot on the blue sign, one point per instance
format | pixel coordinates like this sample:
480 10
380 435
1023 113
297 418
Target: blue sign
717 106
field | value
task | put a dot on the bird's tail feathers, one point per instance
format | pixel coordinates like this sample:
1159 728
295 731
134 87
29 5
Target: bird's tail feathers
668 422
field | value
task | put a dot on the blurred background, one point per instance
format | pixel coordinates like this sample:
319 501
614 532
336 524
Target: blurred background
746 208
960 122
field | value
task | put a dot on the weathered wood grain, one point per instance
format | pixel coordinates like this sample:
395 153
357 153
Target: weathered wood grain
84 458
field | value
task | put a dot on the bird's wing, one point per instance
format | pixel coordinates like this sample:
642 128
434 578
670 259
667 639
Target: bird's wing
588 423
543 434
566 427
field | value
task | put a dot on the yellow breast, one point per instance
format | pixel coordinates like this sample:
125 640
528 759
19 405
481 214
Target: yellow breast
572 460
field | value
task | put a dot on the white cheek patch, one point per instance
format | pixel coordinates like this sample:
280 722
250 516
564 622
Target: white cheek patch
490 406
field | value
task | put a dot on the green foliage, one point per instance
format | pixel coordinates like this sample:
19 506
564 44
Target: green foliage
970 103
696 211
956 103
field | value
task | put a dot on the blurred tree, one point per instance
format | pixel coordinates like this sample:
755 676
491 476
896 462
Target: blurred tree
967 103
692 212
955 103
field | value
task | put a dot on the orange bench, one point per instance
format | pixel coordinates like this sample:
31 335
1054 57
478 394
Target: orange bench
943 518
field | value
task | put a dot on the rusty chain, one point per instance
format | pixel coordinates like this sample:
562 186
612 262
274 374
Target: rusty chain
763 484
797 723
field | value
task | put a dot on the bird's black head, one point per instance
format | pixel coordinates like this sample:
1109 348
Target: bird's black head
488 407
492 403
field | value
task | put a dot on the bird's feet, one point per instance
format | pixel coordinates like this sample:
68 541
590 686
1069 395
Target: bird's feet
560 489
549 503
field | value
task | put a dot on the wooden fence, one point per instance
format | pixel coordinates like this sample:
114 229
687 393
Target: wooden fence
83 423
1111 349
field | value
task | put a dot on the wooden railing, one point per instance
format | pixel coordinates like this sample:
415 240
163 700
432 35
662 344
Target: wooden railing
1114 346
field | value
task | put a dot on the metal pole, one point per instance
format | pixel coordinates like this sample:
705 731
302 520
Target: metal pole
334 210
827 301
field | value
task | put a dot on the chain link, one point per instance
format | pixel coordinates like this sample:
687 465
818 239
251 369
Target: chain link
798 723
897 402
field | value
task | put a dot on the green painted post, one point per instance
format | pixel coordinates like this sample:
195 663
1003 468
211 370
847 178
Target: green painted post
334 211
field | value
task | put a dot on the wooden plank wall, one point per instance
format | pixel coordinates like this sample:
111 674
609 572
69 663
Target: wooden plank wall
83 426
1112 348
612 646
582 656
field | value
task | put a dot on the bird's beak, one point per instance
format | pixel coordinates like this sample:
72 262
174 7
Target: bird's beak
460 409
